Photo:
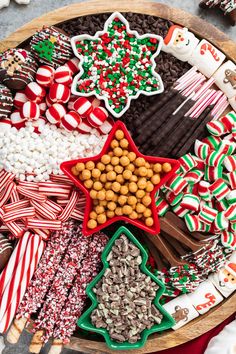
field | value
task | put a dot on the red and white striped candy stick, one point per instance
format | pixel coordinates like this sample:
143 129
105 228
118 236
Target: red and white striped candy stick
8 271
16 205
77 214
220 107
6 193
55 208
16 229
54 189
4 178
43 210
44 234
14 197
203 89
43 224
19 214
195 86
61 179
187 80
25 270
32 186
31 194
70 206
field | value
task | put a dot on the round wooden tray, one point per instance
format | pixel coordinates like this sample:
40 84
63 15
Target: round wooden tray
202 29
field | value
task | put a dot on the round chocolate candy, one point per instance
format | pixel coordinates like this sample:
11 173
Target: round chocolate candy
5 251
6 102
17 68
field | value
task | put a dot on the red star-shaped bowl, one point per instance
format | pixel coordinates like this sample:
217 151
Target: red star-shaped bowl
67 165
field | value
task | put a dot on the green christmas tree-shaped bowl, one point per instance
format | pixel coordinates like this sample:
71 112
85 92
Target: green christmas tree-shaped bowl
84 321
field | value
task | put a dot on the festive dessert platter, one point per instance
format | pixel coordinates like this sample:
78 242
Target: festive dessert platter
117 183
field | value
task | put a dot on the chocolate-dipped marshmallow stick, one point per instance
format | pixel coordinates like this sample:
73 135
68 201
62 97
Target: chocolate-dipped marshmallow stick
42 279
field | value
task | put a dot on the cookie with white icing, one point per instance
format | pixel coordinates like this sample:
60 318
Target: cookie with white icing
5 251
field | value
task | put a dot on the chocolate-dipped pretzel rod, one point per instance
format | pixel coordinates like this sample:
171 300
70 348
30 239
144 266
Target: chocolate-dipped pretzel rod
185 277
66 323
228 6
57 295
174 245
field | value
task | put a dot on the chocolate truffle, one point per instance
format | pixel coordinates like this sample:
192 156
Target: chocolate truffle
51 46
6 102
17 68
5 251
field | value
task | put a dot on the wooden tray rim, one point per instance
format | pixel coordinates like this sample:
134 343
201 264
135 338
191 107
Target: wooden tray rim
218 314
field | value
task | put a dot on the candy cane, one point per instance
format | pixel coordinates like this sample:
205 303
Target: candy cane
19 214
27 267
43 224
12 264
209 47
43 210
31 194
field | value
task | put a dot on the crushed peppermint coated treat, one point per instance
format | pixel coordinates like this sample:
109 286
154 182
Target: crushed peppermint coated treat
118 64
66 323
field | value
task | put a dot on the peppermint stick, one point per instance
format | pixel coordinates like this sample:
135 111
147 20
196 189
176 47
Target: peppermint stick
66 324
61 285
42 279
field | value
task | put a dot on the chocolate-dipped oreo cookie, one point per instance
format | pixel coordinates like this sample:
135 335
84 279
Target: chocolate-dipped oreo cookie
17 68
5 251
6 101
51 46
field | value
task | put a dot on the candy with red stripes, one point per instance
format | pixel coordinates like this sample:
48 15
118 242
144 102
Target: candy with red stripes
187 162
71 120
207 214
63 75
228 239
202 150
192 222
231 197
35 92
30 111
59 93
232 179
45 75
219 189
221 222
230 163
216 128
161 206
55 113
19 99
190 202
194 176
83 106
84 127
98 116
176 184
173 199
230 213
203 190
106 127
213 173
229 120
17 120
226 147
212 141
215 158
73 65
179 210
